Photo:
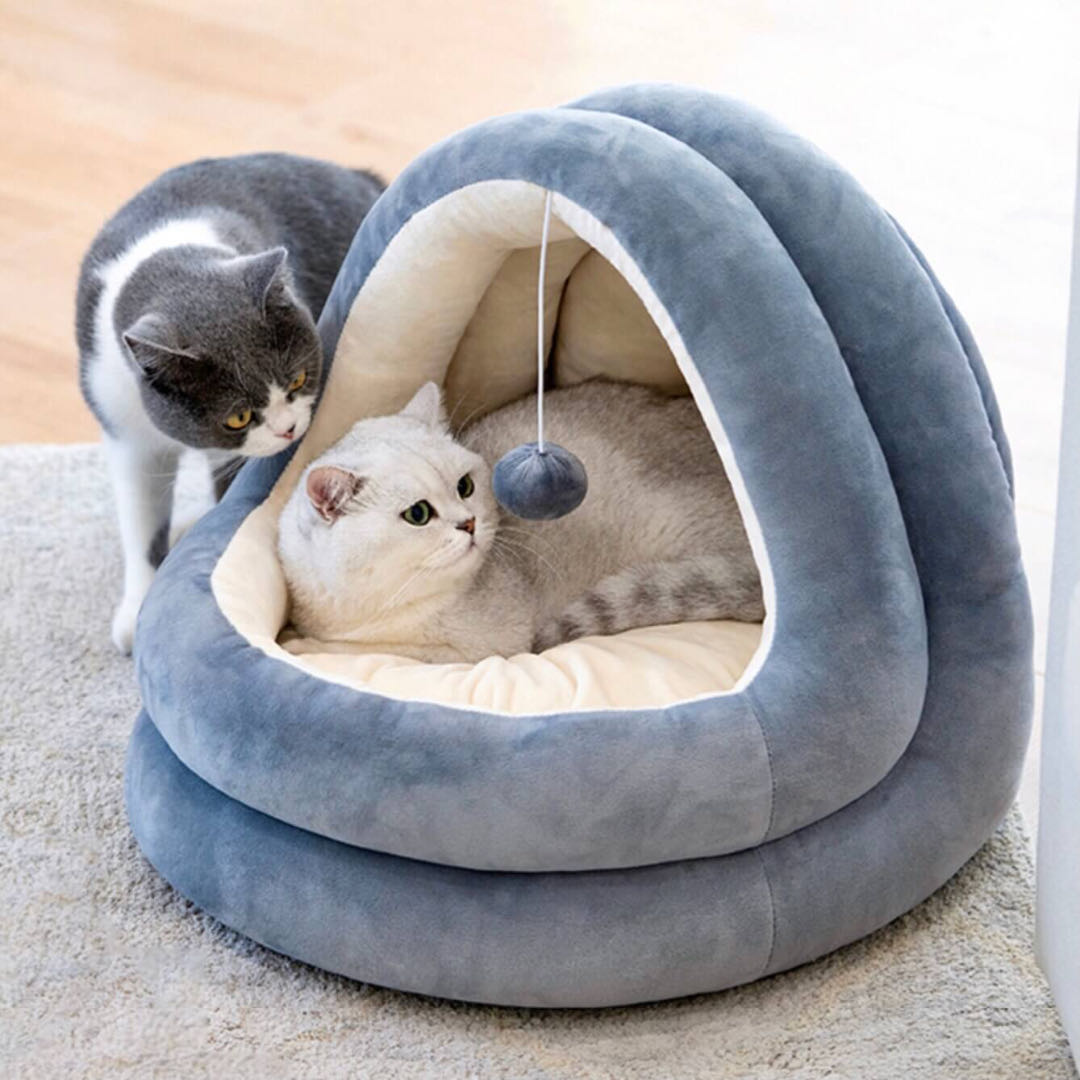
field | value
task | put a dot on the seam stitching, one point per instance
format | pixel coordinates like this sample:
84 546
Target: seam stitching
751 699
772 909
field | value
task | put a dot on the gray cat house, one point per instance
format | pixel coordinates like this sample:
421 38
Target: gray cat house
673 809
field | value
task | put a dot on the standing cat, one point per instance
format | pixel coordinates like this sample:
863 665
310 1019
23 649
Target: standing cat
393 538
195 325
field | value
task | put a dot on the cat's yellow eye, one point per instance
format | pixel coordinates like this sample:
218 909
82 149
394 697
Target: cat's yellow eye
420 513
298 382
239 420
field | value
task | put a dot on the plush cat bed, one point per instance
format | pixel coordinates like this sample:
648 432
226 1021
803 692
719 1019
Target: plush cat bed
673 809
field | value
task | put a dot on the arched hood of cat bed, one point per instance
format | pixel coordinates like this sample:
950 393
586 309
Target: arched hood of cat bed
670 810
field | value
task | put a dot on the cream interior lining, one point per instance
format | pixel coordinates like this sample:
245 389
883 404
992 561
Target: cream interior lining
453 299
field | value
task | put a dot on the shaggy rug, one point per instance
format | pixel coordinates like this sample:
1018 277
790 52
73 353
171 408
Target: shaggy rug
106 972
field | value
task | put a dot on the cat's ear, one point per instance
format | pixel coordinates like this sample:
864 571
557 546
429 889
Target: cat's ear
426 405
263 274
151 343
330 488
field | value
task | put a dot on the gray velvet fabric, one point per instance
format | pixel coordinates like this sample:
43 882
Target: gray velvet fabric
844 681
870 756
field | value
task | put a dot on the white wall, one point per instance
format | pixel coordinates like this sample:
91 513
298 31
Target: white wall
1058 899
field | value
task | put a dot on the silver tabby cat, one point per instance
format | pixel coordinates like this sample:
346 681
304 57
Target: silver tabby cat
195 323
393 539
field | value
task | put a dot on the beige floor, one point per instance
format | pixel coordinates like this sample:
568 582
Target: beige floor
959 115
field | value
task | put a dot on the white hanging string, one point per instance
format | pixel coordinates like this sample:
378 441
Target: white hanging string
540 342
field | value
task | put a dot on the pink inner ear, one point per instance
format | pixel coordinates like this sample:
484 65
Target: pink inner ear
329 489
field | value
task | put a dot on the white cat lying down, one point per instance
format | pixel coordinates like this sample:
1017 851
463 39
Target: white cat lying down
393 540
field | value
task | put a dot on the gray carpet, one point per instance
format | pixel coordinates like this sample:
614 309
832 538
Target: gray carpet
106 972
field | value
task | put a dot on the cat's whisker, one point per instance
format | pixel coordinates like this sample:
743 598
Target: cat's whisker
522 545
468 420
305 357
519 545
389 604
152 475
503 557
453 413
516 533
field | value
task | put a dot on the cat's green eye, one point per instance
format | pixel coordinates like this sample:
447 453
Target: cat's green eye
465 486
420 513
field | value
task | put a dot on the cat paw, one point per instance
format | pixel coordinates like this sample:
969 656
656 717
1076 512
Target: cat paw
123 624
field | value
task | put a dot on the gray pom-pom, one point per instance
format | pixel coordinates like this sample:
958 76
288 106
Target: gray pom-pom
539 486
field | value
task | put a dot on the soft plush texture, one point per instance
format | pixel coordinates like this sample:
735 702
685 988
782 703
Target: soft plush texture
869 747
108 972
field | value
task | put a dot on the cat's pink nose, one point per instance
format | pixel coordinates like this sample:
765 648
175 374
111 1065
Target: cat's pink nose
288 434
469 525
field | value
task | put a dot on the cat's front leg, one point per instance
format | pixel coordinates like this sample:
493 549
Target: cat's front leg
223 471
142 481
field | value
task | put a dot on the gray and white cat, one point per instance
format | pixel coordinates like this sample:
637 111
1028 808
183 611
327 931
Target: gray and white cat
393 538
195 325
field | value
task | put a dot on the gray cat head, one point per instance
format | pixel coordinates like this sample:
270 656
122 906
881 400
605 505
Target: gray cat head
226 354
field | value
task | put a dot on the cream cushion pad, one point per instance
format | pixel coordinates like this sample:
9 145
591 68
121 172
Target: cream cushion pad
644 668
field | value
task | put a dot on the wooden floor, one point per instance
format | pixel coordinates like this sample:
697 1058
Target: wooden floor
959 118
958 115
